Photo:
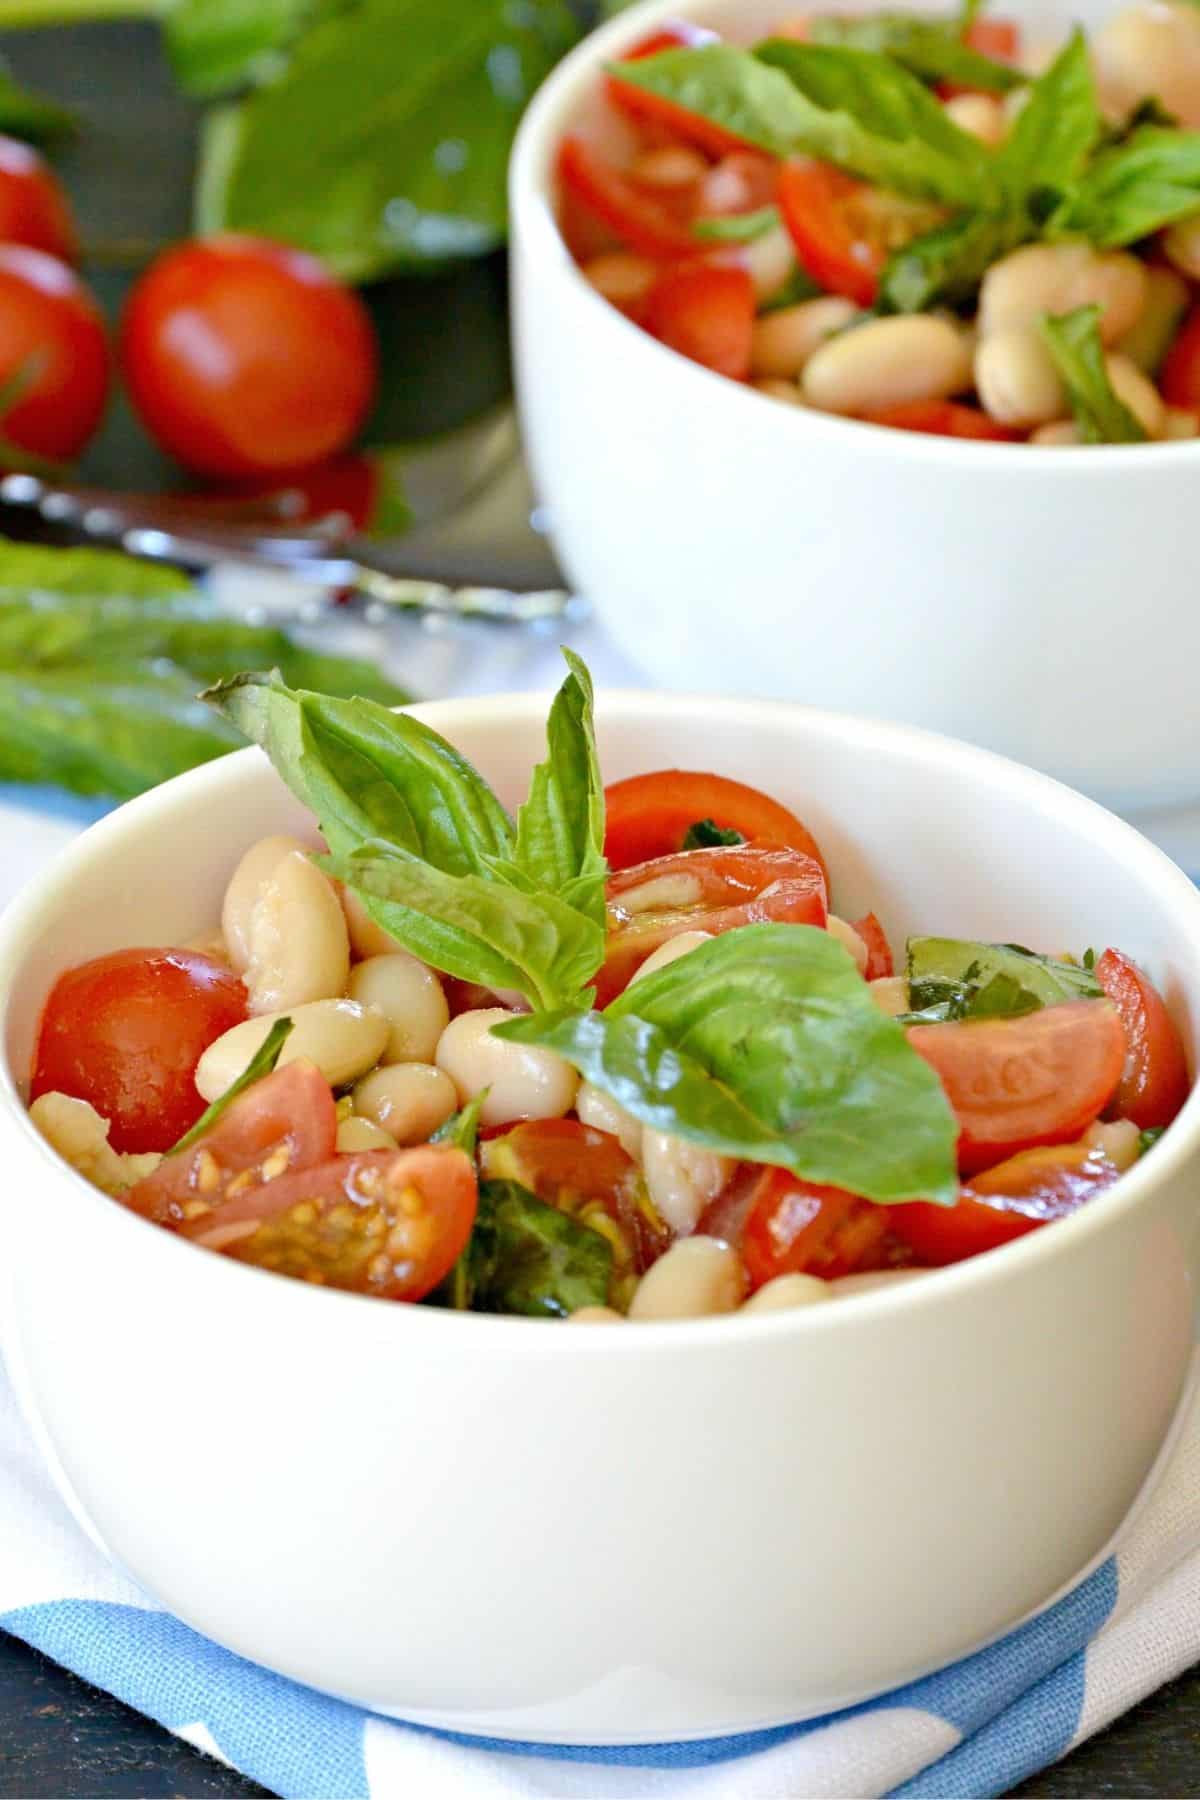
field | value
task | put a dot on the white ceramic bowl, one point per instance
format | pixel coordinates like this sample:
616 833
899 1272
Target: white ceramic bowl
1037 601
639 1532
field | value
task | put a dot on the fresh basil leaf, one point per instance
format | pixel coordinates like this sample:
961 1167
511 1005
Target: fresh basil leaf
261 1063
945 266
728 85
1055 131
959 978
384 143
765 1044
461 1130
29 570
1089 959
560 828
931 49
24 114
528 1258
1149 1137
705 835
215 46
1073 340
1133 189
737 228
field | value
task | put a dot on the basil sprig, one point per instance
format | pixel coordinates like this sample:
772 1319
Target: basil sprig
1133 188
765 1044
1073 340
261 1063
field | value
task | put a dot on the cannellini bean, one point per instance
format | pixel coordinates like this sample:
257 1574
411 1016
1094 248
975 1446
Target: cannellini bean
787 1291
1120 1142
887 362
1166 302
681 1178
670 952
343 1039
1180 424
696 1277
849 939
1138 393
784 340
244 890
1150 49
672 166
523 1082
596 1108
1062 432
80 1135
622 277
848 1285
363 1134
596 1315
410 997
366 937
296 938
769 261
409 1100
1057 278
890 994
776 389
979 115
1016 379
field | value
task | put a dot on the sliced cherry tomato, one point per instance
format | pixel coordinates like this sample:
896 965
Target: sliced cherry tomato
1005 1202
742 182
285 1122
943 418
34 208
817 206
654 110
639 220
742 884
53 354
880 962
384 1222
1015 1083
998 38
584 1172
125 1033
245 357
705 313
784 1225
1180 377
648 816
1155 1082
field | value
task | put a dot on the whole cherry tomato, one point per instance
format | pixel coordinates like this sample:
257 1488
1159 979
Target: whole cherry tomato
54 363
34 210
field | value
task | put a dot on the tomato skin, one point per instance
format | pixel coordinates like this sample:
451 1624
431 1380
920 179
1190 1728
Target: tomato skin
648 816
574 1166
46 313
880 962
244 357
797 1227
1155 1082
1179 379
943 418
288 1118
654 110
125 1033
637 219
391 1223
812 199
741 884
1028 1190
347 484
34 209
998 38
1018 1083
706 313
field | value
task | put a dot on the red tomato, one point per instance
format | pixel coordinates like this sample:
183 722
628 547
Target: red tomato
880 962
998 38
943 418
286 1121
348 484
1014 1083
245 357
125 1033
386 1222
784 1225
1005 1202
637 219
741 182
744 884
1180 377
581 1171
705 313
838 250
53 345
1155 1081
34 210
647 816
654 110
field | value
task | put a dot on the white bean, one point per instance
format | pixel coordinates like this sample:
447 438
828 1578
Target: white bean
366 937
847 1286
681 1178
1016 379
599 1110
596 1315
80 1135
1057 278
787 1291
849 939
784 340
1120 1141
890 994
979 115
672 166
888 362
363 1134
776 389
409 1100
523 1082
1061 432
696 1277
296 939
670 952
622 277
1150 338
410 997
244 889
343 1039
770 261
1151 49
1138 393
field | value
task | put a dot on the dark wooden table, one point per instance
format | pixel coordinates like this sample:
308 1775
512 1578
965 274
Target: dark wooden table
59 1737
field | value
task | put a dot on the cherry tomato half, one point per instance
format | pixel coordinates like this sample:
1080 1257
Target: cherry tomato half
706 313
245 357
817 203
1180 377
943 418
386 1222
581 1171
1018 1195
742 884
125 1033
797 1227
1016 1083
639 220
654 109
1155 1082
880 962
648 816
34 209
285 1122
54 348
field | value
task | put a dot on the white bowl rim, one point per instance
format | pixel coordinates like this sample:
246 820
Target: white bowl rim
531 204
19 926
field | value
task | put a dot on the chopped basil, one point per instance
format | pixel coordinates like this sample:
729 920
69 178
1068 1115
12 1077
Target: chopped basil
1073 340
737 228
705 835
261 1063
953 978
528 1258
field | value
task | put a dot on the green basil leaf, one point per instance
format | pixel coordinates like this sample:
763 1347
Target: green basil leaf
706 835
765 1044
737 228
728 85
1073 340
384 143
959 978
461 1130
24 114
217 45
560 828
1133 189
931 49
1149 1137
261 1063
528 1258
1056 130
945 266
29 570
